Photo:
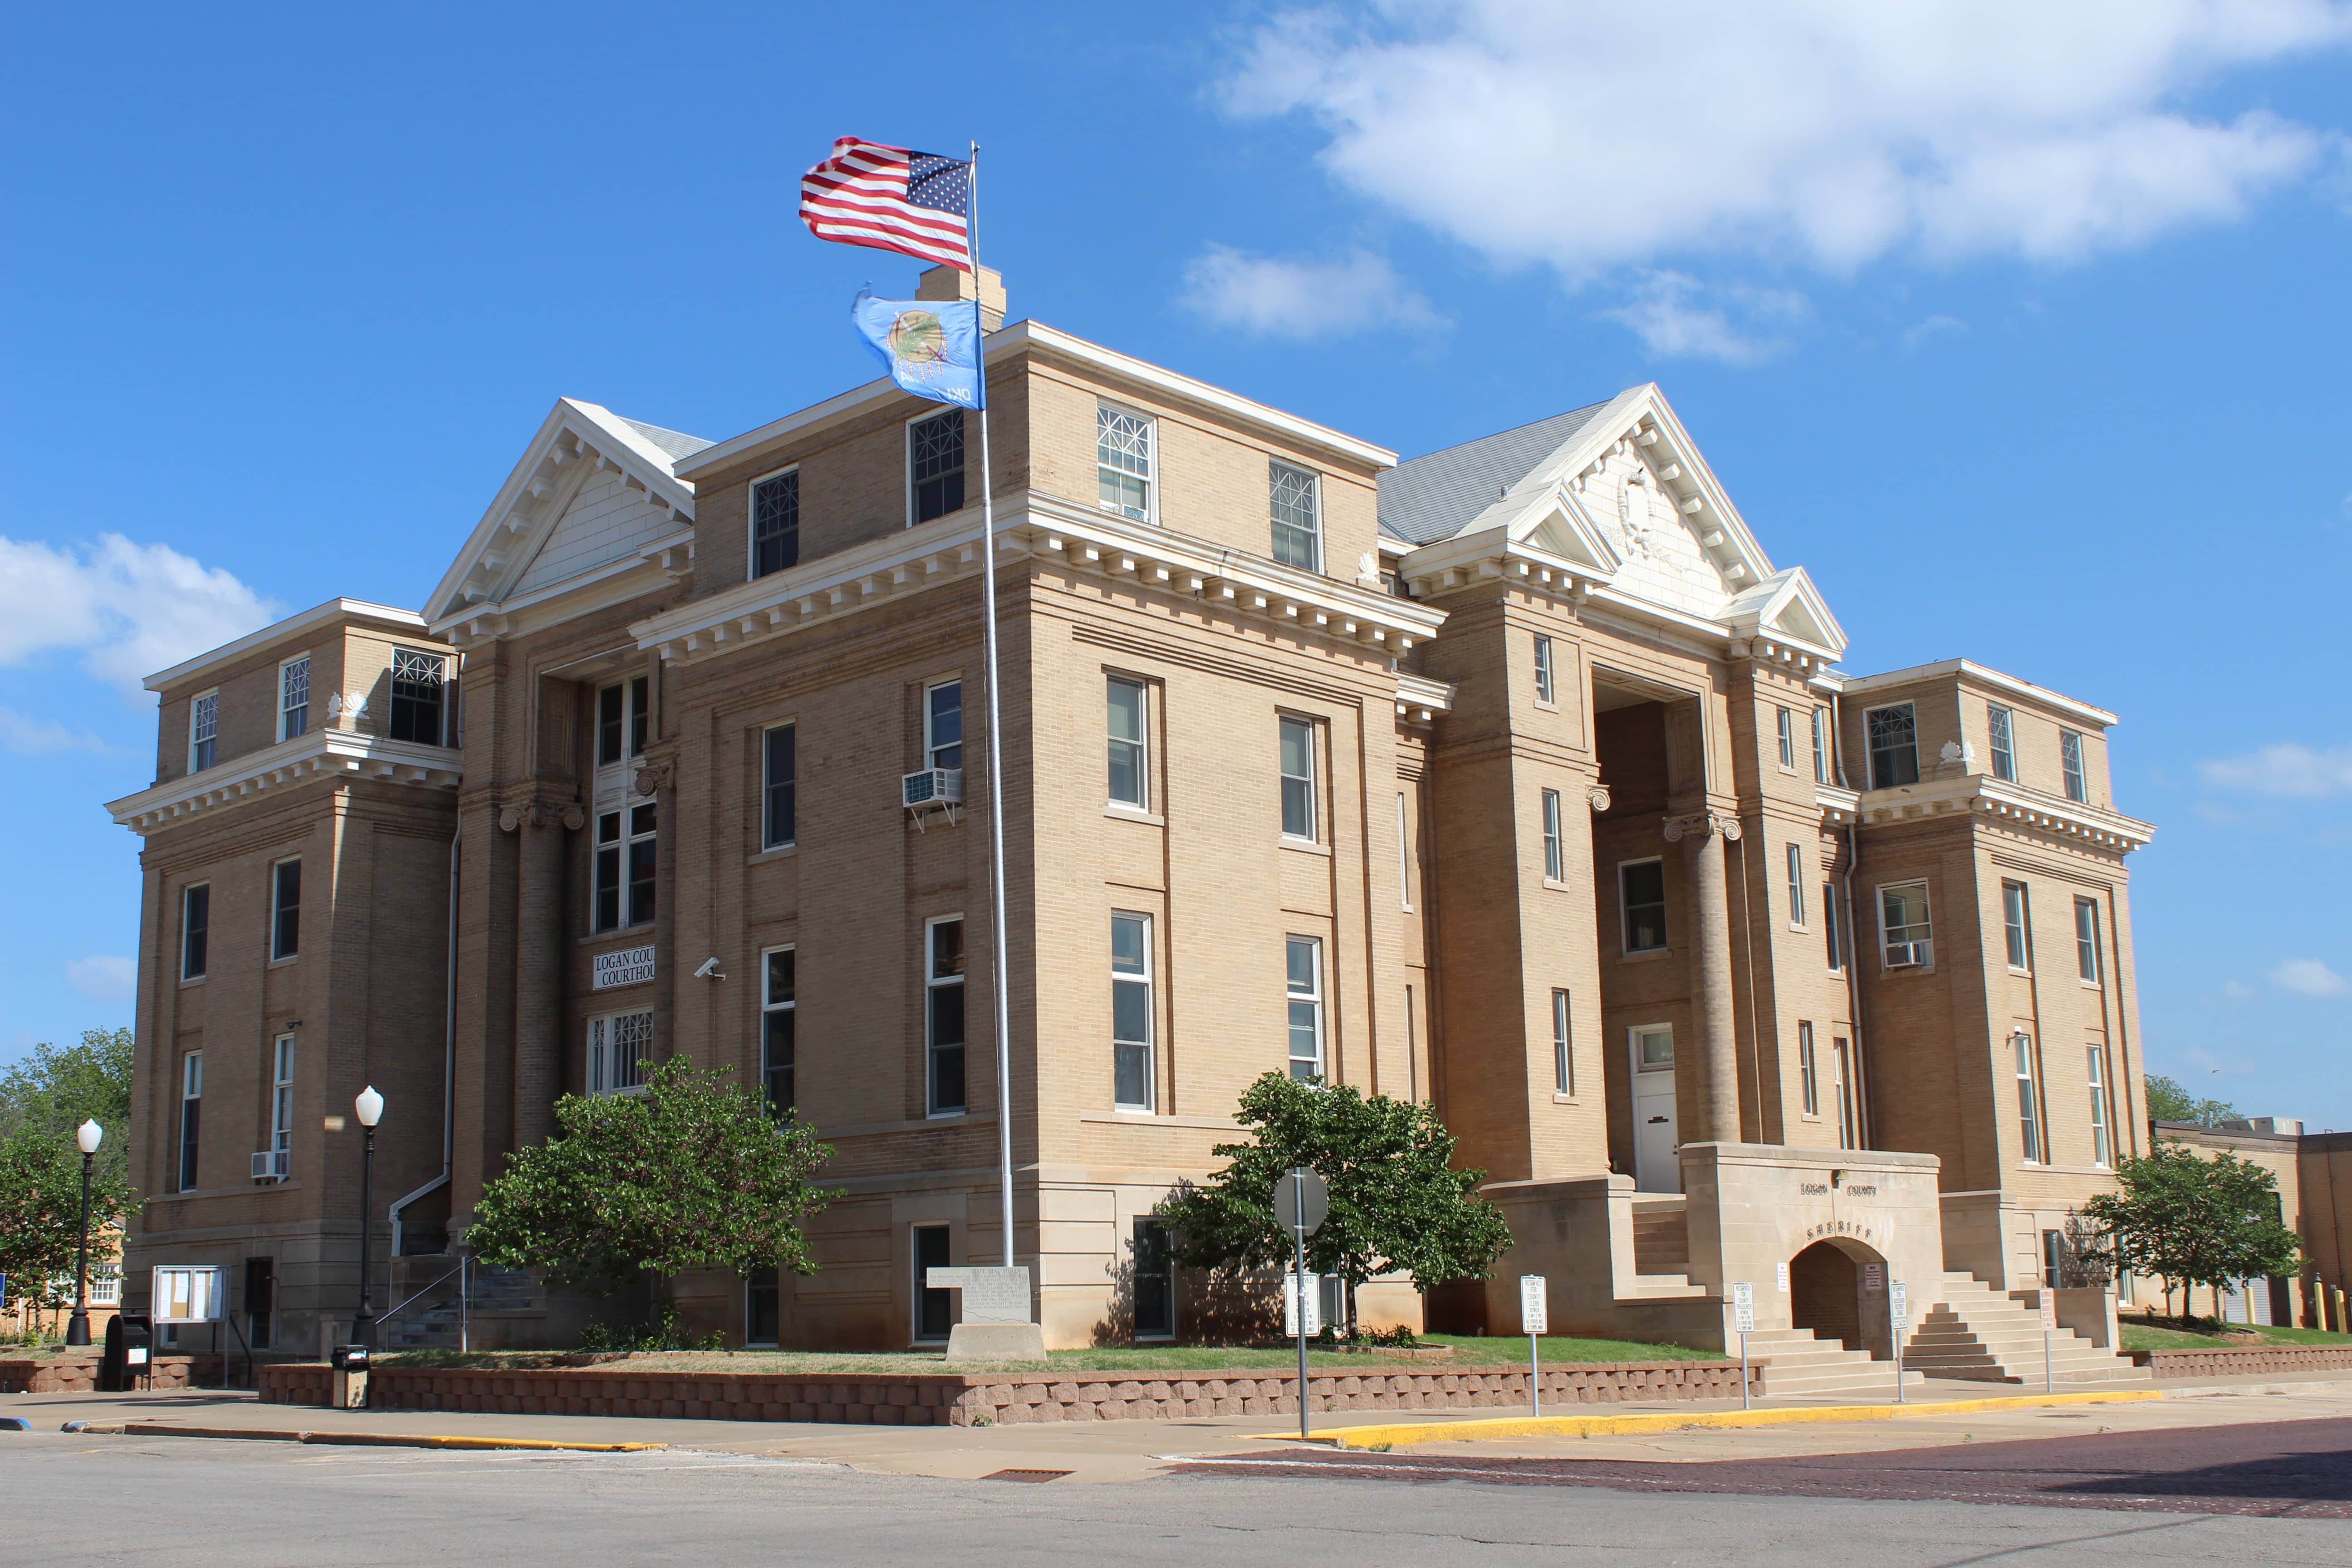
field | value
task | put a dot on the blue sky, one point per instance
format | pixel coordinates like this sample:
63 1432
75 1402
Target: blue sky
2024 331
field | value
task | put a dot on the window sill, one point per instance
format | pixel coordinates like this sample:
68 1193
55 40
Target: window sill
2091 985
1154 1118
1556 884
1118 813
1800 929
1543 707
188 980
780 852
1888 969
2020 973
1566 1100
615 934
282 963
1646 955
1304 845
246 1190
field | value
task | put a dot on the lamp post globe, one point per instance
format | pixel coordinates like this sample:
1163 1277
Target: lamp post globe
89 1135
370 1107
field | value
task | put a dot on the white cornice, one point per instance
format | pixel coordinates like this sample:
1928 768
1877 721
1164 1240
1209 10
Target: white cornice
1968 670
323 753
1010 342
287 630
627 577
1984 795
1419 699
947 548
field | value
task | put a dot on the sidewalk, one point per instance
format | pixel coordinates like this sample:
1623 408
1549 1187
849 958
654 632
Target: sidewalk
1128 1451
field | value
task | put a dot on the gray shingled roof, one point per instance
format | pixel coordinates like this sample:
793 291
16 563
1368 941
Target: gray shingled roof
1429 497
675 443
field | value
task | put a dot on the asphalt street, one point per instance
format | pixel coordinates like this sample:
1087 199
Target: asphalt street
190 1502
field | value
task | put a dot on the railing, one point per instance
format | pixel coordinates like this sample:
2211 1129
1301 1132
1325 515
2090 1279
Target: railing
464 1300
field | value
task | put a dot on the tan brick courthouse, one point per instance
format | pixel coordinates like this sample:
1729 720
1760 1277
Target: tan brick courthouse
1518 777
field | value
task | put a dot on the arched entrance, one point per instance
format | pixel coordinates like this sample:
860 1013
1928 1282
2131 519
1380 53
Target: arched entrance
1829 1292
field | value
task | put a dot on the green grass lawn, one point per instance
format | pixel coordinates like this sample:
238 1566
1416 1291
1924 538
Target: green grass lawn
2167 1334
1452 1350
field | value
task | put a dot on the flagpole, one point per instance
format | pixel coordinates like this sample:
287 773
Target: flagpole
1000 969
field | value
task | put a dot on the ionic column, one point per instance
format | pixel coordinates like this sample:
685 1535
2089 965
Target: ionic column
538 965
1703 836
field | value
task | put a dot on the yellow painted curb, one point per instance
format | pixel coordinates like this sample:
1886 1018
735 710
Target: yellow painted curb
1413 1434
365 1439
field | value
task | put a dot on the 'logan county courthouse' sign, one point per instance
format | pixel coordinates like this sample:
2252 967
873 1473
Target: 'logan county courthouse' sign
629 966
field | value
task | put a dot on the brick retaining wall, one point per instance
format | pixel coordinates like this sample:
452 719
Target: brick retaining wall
79 1375
2241 1361
957 1399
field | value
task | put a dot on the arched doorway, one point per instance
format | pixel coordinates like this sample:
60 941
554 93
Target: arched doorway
1829 1292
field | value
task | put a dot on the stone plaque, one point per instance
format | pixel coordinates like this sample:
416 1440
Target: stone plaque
990 1295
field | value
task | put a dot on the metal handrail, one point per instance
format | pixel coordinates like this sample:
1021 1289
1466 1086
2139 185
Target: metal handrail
388 1315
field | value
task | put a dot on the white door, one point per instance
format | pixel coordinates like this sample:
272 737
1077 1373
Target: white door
1655 1167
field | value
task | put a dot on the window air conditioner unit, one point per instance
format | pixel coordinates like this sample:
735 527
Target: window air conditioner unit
271 1165
931 787
1909 954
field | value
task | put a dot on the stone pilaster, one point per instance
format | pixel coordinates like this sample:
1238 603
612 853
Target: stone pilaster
539 963
1714 1118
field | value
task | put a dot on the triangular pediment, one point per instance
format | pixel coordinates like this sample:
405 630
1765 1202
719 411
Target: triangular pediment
1561 527
1790 608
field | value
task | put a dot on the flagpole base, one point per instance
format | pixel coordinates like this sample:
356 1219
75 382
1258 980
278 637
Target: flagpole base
995 1342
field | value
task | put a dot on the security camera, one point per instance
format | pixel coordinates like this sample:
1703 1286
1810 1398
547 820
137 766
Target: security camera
709 970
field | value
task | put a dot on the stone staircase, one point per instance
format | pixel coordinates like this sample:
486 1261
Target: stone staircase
1662 1235
436 1326
1798 1364
1978 1335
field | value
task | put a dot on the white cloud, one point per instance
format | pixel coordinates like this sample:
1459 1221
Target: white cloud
104 977
1932 328
1290 297
2287 769
2233 991
1665 313
2309 977
127 609
1590 136
29 737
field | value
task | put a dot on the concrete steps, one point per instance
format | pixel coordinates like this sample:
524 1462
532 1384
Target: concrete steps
1976 1334
1797 1362
1661 1234
438 1326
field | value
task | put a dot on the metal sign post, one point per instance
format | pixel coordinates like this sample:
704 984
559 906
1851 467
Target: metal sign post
1743 1320
1898 1315
2049 1325
1535 1317
1301 1199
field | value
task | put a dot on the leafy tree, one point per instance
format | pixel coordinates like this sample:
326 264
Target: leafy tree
2167 1101
1397 1202
54 1090
43 1100
692 1173
2194 1221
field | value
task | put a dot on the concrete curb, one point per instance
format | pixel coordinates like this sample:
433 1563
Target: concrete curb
1415 1434
350 1439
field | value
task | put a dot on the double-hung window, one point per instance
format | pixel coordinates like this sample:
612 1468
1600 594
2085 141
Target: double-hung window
281 1110
1829 926
1298 531
1554 853
1563 1061
775 522
1904 922
285 909
1130 761
2070 762
935 465
622 721
1786 722
294 698
2102 1150
943 1032
1130 1012
2014 932
417 683
1303 958
779 774
1893 745
1998 721
195 930
1797 886
1849 1106
624 867
1642 896
1298 811
2029 1119
203 730
191 1105
2086 940
1123 462
1546 690
777 1046
943 725
620 1048
1821 745
1809 1075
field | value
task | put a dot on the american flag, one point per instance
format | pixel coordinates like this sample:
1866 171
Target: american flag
917 204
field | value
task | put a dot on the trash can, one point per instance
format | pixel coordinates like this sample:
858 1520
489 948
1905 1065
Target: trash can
129 1358
349 1388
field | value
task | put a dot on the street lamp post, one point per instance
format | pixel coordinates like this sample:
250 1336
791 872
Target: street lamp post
370 1105
89 1135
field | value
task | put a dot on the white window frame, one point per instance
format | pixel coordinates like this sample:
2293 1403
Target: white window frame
1921 947
907 457
1315 500
769 784
1847 1091
1563 1043
442 715
627 836
1786 723
2001 738
203 730
1405 855
1142 979
1797 887
1150 478
636 730
932 985
286 670
1555 848
1625 908
1637 1032
1547 686
1833 928
610 1070
932 744
187 1150
1140 744
1311 778
1809 1072
278 909
187 976
2034 1131
2016 933
2090 966
281 1106
2073 767
752 522
789 1009
1823 773
1870 753
1312 999
2102 1110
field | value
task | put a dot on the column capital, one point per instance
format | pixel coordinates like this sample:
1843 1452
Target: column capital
1702 825
537 811
1597 797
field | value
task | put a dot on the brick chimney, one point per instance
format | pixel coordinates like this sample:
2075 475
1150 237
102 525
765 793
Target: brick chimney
954 283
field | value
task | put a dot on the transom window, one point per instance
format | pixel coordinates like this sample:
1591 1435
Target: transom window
1654 1049
943 1020
935 464
620 1048
2004 743
203 730
1555 852
943 725
779 787
622 720
624 867
1298 811
2070 762
1131 773
1642 892
416 696
1303 956
1123 443
1298 531
1893 746
777 1046
1902 918
775 523
293 698
1130 1012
